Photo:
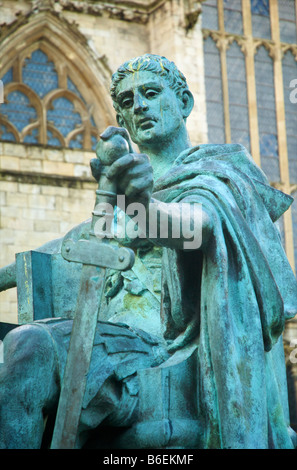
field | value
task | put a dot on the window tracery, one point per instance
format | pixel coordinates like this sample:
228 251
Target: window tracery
250 57
43 104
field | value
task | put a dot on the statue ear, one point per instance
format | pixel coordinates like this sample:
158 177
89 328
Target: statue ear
187 101
120 120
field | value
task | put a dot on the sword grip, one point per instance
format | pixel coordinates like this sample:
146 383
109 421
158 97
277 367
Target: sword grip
108 150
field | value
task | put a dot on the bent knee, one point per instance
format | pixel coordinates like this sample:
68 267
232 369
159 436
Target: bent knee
27 341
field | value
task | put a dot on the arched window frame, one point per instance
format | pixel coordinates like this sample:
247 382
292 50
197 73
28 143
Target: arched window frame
73 59
249 45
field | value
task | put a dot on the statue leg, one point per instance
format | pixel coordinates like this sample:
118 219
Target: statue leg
29 386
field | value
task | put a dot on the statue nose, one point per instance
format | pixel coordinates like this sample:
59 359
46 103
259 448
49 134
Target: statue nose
139 104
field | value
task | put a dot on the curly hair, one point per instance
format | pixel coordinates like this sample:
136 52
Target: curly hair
149 63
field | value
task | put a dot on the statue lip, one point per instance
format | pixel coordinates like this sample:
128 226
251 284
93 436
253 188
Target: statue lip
146 122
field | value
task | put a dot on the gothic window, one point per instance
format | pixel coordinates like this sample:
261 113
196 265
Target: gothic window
210 15
250 61
19 110
266 114
43 105
233 16
40 74
214 97
260 18
287 21
237 91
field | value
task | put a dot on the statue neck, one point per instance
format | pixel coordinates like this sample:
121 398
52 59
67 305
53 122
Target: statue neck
163 154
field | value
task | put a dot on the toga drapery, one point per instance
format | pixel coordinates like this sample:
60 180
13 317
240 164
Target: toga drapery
236 293
231 298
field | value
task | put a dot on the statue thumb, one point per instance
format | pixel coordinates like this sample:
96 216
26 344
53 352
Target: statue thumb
96 167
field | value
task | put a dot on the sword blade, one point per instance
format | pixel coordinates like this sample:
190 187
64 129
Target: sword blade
78 358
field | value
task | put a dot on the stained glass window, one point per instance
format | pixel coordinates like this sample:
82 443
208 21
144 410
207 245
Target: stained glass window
73 88
39 73
238 106
267 114
52 140
260 18
287 20
22 107
31 137
233 16
7 77
63 115
260 7
214 97
18 110
210 15
76 142
254 61
5 133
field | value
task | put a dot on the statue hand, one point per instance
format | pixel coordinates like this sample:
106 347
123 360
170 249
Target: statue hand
96 168
114 142
134 175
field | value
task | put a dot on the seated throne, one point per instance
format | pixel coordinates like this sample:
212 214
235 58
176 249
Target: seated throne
47 287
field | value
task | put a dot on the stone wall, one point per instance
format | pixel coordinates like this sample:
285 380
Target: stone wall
44 191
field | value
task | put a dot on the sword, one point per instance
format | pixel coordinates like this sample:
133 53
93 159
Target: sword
96 255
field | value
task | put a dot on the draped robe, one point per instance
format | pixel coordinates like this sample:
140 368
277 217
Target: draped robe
231 298
234 295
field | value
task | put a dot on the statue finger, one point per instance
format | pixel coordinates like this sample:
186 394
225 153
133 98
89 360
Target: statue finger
122 164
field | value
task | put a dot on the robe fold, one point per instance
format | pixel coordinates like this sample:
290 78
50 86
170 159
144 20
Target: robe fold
229 299
237 291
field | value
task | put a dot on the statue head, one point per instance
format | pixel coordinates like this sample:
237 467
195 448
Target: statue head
151 86
150 63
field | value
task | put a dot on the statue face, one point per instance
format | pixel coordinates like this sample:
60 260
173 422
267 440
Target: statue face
149 108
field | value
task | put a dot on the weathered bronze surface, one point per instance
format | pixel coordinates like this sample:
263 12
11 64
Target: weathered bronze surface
187 352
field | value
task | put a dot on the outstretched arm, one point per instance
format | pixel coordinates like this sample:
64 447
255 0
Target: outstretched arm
182 225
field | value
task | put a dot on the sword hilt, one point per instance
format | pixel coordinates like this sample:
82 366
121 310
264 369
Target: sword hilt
108 150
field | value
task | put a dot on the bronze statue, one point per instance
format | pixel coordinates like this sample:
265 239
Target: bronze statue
195 358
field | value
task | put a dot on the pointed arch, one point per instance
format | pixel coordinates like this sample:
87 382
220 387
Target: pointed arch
81 76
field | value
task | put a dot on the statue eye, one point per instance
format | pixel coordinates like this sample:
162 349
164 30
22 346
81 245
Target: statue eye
127 102
151 93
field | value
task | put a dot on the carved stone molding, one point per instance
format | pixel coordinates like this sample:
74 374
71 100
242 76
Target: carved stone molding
122 12
289 47
137 11
192 10
24 19
222 40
